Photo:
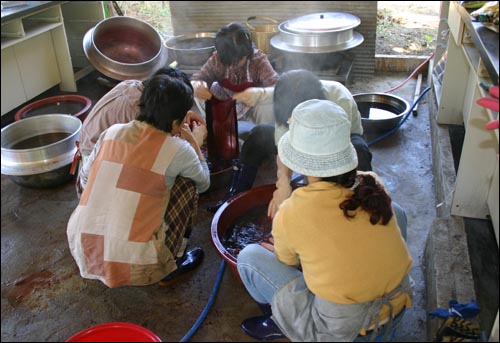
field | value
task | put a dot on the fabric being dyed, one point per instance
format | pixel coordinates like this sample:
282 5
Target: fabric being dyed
252 227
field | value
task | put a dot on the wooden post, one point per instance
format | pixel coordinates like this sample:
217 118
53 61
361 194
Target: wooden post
417 93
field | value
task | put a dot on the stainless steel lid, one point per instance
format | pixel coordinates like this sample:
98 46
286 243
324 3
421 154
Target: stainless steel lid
322 22
318 33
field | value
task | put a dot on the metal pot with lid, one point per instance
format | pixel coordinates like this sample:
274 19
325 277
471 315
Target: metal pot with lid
318 33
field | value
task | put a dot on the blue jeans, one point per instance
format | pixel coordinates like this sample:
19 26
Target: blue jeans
263 274
382 331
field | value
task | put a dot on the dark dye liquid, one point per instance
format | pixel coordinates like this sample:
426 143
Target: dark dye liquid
252 227
40 140
370 110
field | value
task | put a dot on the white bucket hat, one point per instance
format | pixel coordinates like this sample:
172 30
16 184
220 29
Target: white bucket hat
319 140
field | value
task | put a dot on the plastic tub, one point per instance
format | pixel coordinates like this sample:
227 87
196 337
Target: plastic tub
227 214
115 332
73 104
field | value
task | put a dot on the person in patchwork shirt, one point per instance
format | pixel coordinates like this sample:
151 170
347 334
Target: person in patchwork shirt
121 105
141 185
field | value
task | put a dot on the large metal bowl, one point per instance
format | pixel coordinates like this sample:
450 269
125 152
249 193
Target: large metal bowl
380 112
38 151
192 49
125 48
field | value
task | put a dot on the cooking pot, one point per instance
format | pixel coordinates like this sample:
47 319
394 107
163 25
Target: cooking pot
318 33
380 112
38 151
192 49
125 48
262 30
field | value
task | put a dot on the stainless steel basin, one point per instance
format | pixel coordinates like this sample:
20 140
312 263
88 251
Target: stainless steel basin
38 151
380 112
125 48
192 49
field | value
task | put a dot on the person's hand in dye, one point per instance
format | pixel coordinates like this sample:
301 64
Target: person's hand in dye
201 90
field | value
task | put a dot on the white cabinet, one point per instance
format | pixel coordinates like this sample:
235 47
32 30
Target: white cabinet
35 59
35 56
471 58
12 86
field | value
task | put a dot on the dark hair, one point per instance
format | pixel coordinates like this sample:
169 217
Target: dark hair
175 73
368 195
164 100
293 88
232 43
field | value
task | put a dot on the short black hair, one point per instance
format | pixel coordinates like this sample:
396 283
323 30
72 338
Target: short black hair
175 73
164 100
293 88
232 43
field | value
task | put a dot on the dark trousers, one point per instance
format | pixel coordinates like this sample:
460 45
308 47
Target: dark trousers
363 152
260 145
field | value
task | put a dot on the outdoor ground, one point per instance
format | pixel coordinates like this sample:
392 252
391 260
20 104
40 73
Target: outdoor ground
407 27
404 27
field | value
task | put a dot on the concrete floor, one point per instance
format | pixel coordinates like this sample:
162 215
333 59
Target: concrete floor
45 299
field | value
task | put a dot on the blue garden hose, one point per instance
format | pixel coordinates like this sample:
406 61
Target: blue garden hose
209 304
394 129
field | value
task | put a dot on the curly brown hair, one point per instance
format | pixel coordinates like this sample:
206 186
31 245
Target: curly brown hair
367 194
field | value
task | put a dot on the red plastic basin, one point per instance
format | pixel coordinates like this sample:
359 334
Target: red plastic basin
227 214
115 332
73 104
